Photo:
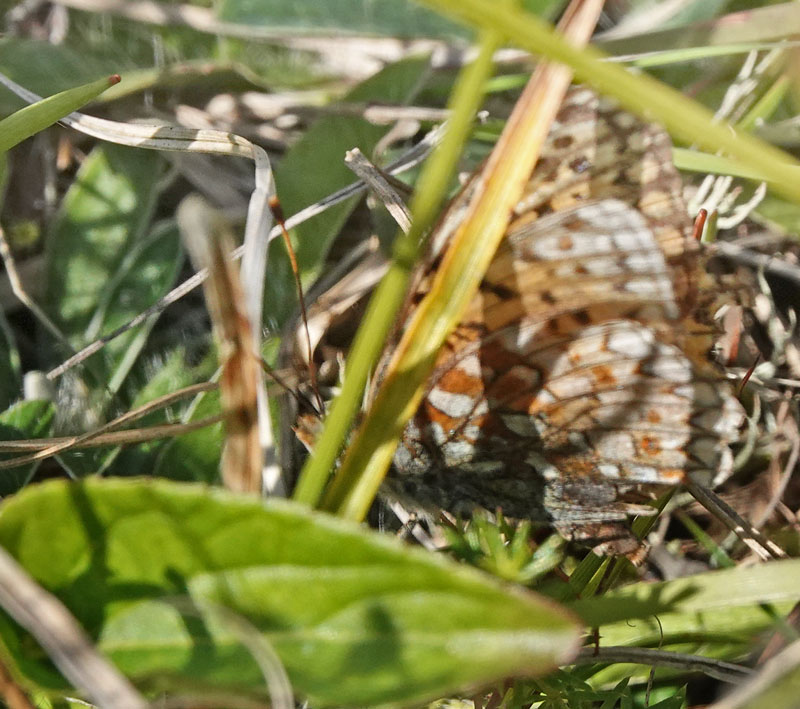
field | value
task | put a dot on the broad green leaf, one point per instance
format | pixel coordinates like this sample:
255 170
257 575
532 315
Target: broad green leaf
711 592
145 275
106 265
780 212
714 614
314 168
102 265
26 419
356 617
31 119
46 68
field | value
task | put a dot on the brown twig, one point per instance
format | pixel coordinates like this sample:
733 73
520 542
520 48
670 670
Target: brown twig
277 212
725 671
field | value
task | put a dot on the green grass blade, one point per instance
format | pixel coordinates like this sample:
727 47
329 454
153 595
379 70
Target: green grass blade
433 182
30 120
683 118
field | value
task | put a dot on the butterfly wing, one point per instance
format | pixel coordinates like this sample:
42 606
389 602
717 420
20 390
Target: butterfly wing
567 384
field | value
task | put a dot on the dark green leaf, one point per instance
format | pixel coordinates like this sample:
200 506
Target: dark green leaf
46 68
392 17
10 382
194 457
103 266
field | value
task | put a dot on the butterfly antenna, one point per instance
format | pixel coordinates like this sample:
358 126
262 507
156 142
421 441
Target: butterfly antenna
277 213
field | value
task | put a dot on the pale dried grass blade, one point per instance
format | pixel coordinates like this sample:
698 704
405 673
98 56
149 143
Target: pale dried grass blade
755 541
380 186
209 245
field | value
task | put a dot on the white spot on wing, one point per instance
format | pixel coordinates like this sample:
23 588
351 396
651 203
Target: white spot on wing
453 405
634 342
644 473
608 470
470 365
673 368
547 470
456 453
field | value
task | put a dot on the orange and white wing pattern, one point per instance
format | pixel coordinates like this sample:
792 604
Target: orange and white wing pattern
577 378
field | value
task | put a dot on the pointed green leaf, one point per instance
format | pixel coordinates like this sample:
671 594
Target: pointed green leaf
30 120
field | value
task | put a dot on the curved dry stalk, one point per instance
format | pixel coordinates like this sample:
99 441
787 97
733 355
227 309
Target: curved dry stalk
719 669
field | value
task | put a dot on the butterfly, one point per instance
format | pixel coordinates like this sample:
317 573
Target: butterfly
578 381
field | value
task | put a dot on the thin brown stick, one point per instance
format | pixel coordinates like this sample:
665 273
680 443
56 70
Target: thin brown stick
277 212
747 375
719 669
149 407
95 440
